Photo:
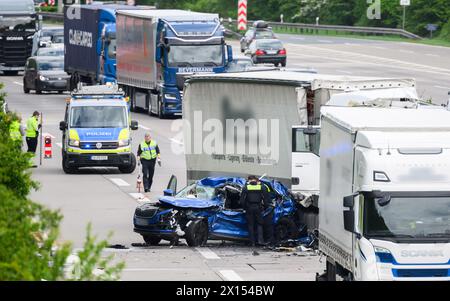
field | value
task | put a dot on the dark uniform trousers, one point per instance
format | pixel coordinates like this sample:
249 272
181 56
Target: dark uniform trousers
148 170
268 228
255 221
32 144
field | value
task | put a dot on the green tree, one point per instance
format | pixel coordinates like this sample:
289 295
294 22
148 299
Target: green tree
29 231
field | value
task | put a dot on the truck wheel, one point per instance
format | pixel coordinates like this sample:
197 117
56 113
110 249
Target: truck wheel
197 233
129 168
160 111
331 271
38 92
66 168
151 240
285 229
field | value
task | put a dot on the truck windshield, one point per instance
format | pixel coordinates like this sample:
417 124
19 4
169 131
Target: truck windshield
98 117
24 23
408 217
195 56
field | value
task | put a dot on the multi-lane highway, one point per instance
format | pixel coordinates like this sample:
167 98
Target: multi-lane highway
108 199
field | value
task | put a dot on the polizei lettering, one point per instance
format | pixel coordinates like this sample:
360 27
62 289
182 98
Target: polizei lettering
80 38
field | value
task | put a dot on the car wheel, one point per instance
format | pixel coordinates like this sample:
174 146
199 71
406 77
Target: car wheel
25 88
197 233
151 240
283 64
66 167
38 92
285 229
60 92
129 168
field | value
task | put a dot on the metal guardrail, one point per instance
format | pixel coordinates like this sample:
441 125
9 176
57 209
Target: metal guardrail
313 28
302 28
52 16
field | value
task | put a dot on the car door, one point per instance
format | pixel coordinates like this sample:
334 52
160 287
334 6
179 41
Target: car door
230 223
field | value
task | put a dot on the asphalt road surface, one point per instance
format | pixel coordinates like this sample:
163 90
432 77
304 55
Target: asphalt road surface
107 198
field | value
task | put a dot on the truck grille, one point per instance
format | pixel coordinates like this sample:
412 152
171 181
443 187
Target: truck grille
104 145
15 53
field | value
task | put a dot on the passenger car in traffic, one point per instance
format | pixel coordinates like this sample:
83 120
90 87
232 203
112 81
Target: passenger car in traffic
210 209
260 30
45 73
268 51
241 63
53 50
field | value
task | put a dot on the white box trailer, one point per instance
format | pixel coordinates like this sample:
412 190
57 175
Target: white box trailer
289 103
384 206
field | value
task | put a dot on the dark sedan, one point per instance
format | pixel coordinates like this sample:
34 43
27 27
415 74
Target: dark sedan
45 73
268 51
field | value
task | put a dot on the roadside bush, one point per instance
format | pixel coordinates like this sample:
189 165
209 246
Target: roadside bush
29 231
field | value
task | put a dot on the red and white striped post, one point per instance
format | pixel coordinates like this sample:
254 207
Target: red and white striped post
242 15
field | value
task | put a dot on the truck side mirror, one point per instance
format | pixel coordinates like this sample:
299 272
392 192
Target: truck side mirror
134 125
158 53
62 125
230 53
349 221
349 201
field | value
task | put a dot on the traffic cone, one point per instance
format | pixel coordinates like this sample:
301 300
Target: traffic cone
48 147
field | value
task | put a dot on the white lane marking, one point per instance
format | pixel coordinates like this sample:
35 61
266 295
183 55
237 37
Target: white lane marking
48 134
346 72
207 253
441 87
379 47
325 41
230 275
59 144
119 182
140 197
433 55
17 83
176 141
352 57
407 51
144 127
298 38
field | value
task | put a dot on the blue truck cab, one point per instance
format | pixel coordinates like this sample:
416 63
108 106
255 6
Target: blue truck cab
90 43
162 48
96 130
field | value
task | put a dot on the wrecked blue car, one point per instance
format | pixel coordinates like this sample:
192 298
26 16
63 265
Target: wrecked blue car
210 209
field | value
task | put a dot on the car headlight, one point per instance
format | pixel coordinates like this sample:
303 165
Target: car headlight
124 142
170 96
43 78
384 255
73 142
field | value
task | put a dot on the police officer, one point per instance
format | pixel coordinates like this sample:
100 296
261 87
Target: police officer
253 198
32 133
148 153
16 132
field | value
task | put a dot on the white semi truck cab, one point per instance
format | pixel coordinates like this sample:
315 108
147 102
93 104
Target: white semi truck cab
384 206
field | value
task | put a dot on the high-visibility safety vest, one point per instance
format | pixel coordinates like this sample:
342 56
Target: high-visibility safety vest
251 187
14 131
148 150
32 127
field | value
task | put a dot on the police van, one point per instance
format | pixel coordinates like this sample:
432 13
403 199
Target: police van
96 130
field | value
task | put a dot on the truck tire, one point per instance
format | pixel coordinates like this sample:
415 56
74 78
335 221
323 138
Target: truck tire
331 271
160 111
286 229
197 233
129 168
151 240
66 168
38 91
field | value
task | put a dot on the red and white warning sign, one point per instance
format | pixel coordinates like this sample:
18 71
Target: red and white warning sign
242 14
